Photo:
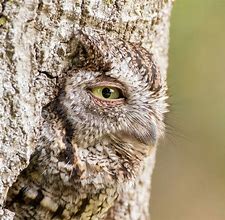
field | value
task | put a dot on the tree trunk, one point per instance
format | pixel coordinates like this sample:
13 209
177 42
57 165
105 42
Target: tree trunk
36 40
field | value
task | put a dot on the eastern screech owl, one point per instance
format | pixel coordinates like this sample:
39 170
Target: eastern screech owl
96 133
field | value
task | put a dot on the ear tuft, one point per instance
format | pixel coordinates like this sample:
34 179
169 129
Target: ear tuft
80 57
88 53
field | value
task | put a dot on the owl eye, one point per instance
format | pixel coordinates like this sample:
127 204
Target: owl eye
107 92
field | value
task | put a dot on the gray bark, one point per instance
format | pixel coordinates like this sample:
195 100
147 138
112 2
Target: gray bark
36 40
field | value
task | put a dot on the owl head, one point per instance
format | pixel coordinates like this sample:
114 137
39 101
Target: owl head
112 105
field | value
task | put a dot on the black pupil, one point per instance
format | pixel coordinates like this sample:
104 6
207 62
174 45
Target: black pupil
106 92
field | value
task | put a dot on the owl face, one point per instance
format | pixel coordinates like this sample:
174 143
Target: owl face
114 103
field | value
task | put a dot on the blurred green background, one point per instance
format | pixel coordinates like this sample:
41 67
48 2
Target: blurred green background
189 177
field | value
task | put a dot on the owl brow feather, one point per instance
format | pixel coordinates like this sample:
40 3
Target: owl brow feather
138 63
147 58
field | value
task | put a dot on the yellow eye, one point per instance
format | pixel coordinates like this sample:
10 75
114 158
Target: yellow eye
105 92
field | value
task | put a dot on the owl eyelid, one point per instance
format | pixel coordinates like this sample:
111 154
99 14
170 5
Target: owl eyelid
108 101
107 84
115 85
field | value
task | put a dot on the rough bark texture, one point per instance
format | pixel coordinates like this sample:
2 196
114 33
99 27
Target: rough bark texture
36 41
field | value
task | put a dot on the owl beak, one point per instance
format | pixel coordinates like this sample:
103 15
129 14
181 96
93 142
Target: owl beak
145 136
142 136
134 142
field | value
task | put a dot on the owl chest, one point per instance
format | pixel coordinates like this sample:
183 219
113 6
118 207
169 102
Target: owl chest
63 182
44 193
45 202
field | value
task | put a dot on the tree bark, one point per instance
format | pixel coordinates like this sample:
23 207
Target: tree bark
36 41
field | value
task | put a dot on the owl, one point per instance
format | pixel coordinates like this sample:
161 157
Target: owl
106 118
